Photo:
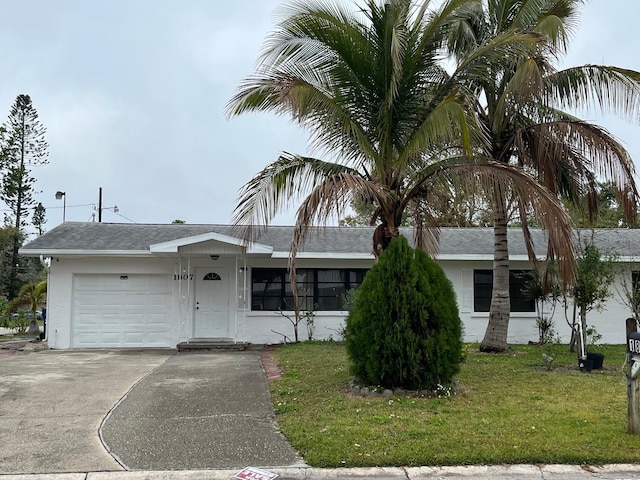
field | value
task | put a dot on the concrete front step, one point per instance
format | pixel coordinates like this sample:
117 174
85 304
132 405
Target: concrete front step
205 345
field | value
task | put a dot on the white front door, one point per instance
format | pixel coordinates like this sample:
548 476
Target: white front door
212 303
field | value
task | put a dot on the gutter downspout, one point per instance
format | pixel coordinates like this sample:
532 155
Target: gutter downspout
47 267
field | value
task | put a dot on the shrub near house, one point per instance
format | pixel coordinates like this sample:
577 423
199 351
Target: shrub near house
404 329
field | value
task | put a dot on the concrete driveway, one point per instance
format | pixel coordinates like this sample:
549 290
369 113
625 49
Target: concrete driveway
52 404
114 410
200 410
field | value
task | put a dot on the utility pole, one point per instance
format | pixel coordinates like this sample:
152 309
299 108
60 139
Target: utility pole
100 205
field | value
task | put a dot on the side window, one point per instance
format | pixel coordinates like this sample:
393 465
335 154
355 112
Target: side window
483 286
517 282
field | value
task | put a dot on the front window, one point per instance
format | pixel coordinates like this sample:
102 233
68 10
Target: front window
324 288
305 290
267 289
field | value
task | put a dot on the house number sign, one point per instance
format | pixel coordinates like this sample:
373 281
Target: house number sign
183 276
633 343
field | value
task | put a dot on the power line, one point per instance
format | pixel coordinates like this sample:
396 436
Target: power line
79 205
52 208
125 217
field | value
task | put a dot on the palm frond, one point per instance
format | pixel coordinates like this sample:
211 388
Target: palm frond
31 295
536 198
496 54
307 63
330 198
559 22
450 123
426 230
434 26
464 30
396 49
520 90
555 19
431 171
607 89
278 186
570 156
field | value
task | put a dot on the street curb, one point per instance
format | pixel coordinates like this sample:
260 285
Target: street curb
493 472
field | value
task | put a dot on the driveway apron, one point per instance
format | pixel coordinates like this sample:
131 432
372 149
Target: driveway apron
52 404
199 410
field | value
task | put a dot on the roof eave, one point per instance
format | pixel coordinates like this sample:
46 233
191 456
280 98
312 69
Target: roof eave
326 255
57 252
482 257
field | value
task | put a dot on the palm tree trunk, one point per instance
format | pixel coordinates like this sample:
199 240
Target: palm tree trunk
34 328
495 337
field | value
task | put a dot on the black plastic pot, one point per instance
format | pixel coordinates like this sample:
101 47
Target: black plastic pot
585 364
597 360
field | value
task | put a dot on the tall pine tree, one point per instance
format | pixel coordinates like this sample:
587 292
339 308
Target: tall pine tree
39 218
22 146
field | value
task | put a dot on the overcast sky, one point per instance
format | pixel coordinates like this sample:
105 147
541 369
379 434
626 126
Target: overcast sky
133 93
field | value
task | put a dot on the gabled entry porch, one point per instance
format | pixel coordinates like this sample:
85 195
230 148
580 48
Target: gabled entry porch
210 272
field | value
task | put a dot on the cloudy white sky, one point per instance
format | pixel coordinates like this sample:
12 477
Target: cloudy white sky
132 93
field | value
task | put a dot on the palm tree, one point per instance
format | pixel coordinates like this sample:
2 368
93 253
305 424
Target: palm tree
524 108
31 295
372 91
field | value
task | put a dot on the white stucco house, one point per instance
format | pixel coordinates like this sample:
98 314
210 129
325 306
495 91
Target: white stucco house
142 285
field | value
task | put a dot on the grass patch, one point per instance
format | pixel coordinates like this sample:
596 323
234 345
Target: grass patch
509 409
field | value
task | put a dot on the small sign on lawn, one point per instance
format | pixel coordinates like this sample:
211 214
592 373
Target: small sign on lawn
252 473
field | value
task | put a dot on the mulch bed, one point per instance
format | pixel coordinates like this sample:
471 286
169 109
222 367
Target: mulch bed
15 346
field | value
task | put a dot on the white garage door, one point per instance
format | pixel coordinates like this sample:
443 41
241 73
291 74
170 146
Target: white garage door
121 311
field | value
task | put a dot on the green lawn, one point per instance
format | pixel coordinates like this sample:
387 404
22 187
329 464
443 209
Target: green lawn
508 409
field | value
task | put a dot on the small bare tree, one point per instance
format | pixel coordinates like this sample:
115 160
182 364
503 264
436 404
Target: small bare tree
297 317
545 290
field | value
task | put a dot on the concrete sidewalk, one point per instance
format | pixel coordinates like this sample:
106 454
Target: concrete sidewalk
515 472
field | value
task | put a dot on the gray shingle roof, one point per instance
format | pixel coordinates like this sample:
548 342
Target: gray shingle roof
127 237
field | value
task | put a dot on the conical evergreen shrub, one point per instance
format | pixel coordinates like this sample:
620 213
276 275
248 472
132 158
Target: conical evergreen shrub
404 329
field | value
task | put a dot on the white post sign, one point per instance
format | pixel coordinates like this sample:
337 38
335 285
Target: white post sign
633 380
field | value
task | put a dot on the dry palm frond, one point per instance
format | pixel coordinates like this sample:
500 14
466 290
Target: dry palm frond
277 186
571 156
545 206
